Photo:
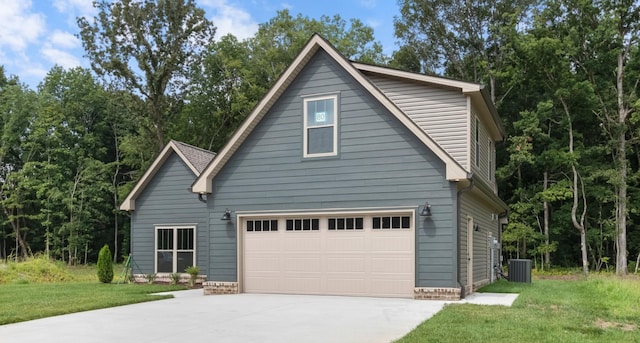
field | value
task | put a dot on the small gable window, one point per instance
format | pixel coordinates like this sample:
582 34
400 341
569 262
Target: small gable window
320 129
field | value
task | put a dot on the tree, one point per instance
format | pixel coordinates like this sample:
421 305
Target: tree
462 39
105 265
148 48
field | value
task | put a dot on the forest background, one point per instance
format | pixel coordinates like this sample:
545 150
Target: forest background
563 75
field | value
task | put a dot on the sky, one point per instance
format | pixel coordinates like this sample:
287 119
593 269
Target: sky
36 35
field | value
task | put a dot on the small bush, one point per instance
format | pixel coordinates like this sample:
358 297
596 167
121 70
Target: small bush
105 265
175 278
193 271
151 278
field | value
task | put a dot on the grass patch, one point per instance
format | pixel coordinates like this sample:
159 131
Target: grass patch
39 288
21 302
597 309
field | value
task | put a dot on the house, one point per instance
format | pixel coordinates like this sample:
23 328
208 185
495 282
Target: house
168 221
345 179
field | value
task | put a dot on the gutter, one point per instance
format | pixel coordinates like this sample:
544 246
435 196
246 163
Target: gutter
458 198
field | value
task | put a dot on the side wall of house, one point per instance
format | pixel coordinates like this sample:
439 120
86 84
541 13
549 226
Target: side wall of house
441 112
168 201
485 219
380 164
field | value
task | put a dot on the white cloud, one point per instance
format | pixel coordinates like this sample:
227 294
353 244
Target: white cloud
368 3
63 39
73 8
230 19
18 25
60 57
374 23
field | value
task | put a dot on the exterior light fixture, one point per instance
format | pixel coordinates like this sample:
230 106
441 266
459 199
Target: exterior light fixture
476 227
226 215
426 210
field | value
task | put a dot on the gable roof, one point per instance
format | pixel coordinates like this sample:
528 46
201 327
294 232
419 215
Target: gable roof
202 185
196 159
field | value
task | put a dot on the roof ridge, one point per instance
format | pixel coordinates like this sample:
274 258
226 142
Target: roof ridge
193 147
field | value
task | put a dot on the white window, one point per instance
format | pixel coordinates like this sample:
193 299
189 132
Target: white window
303 224
392 222
477 141
175 249
320 126
490 171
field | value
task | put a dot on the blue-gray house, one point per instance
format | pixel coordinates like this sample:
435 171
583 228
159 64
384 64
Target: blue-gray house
345 179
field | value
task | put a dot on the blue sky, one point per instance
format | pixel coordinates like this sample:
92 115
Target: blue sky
36 35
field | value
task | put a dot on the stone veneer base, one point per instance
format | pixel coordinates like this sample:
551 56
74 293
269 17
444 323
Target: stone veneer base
436 293
217 287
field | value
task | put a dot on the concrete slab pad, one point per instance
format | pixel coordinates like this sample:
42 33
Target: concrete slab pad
243 318
504 299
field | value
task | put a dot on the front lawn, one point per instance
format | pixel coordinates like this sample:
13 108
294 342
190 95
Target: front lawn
21 302
598 309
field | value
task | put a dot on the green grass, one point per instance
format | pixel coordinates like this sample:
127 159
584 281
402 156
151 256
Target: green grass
39 288
598 309
31 301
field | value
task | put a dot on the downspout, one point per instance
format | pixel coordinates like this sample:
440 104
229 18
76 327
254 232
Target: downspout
458 202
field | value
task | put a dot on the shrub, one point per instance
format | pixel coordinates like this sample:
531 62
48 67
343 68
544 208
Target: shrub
193 271
151 278
105 265
175 278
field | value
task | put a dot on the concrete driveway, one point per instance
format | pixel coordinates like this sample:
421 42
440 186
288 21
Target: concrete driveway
235 318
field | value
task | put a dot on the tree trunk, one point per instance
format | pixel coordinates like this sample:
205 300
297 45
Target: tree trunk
621 210
578 224
547 254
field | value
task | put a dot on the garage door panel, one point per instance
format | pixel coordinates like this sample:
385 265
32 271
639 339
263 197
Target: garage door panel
339 243
297 263
307 244
362 262
391 242
346 286
310 284
345 264
392 264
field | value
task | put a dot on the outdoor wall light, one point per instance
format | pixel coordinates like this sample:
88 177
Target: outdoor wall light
476 227
226 215
426 210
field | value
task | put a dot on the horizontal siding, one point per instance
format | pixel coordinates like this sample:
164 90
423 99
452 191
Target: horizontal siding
482 169
380 163
442 113
474 207
167 199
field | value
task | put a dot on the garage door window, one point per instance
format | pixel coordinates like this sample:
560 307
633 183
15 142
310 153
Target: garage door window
392 222
175 249
262 225
352 223
303 224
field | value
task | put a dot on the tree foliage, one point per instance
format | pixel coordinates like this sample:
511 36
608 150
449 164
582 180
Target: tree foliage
148 47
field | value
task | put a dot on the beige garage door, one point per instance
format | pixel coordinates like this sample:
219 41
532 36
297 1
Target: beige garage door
359 255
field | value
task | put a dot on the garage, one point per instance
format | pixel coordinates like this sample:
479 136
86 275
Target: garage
355 254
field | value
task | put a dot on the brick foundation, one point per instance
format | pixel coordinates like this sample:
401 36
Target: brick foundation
435 293
217 287
166 278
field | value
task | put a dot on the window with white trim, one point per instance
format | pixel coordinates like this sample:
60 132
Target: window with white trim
477 141
256 225
349 223
320 126
392 222
175 249
303 224
490 164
